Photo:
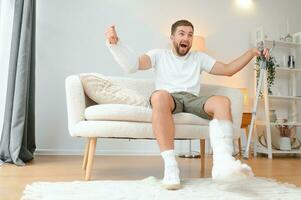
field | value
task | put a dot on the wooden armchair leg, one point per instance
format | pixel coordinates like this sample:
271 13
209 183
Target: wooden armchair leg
202 152
86 155
92 147
239 146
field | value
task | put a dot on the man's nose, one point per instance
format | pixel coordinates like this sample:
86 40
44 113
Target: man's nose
186 38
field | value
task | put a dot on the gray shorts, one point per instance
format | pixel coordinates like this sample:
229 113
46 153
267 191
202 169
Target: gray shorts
189 103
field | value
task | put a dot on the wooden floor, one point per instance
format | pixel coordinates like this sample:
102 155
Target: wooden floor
13 179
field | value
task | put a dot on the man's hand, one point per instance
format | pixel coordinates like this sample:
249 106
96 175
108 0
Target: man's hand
111 35
266 53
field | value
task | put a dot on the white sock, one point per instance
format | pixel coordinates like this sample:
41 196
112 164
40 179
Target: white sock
171 170
224 164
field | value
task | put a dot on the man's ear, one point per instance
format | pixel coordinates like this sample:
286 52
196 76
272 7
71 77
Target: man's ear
171 37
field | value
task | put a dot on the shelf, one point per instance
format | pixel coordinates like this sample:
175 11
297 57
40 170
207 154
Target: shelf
269 44
287 69
285 97
260 149
291 97
276 123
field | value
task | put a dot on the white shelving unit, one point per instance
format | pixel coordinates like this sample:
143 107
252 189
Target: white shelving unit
291 98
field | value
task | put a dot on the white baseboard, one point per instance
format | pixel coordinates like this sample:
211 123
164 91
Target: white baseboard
102 152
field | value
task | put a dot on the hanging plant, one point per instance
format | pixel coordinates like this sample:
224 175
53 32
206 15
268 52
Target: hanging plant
271 72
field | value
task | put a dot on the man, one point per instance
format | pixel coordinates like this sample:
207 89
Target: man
177 80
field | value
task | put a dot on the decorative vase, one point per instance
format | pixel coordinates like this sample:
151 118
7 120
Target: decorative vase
273 116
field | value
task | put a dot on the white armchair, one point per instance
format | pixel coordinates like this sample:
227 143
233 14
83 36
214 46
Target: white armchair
92 121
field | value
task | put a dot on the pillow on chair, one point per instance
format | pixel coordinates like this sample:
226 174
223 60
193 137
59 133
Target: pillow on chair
102 91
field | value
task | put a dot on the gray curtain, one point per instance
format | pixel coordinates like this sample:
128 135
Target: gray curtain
17 143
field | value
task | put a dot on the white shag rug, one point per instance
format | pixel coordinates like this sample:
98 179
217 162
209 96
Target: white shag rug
150 189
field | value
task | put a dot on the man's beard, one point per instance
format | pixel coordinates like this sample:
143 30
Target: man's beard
180 50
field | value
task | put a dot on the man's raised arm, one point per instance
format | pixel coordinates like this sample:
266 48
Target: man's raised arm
126 57
236 65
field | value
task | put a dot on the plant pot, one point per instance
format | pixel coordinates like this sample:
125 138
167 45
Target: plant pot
285 144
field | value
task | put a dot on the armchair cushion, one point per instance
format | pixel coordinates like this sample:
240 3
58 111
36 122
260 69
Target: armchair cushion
102 91
121 112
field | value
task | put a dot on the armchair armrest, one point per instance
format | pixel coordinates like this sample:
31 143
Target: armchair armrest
76 101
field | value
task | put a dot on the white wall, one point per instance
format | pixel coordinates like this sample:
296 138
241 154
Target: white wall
70 40
6 24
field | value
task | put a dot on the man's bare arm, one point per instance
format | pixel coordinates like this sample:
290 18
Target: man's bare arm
144 62
235 66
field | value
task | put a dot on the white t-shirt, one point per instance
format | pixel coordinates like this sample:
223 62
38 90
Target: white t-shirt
179 73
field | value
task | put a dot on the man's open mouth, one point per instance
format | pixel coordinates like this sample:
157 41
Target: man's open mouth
183 45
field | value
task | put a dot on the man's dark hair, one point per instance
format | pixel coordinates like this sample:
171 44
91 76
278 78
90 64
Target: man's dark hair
182 22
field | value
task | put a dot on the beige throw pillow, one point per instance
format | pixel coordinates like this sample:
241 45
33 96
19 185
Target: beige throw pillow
102 91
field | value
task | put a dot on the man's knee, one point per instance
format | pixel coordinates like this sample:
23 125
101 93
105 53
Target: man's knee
225 101
162 99
217 103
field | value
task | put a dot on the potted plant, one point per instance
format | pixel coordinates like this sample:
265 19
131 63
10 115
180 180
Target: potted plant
285 139
270 67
